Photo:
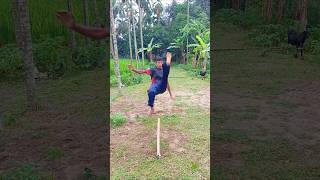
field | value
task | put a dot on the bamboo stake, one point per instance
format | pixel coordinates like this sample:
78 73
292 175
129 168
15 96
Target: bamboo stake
158 138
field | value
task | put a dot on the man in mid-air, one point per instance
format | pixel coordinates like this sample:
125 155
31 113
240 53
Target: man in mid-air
159 79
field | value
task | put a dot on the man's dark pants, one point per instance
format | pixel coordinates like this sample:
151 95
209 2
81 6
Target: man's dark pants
159 87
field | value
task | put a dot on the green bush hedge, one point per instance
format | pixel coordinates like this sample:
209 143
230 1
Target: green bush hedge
127 77
53 56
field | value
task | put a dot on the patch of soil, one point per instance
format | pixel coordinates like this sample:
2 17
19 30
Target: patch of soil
228 154
133 109
141 140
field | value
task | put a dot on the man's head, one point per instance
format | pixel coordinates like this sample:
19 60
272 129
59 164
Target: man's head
159 62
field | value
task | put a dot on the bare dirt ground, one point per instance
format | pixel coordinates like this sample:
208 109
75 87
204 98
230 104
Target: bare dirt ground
137 136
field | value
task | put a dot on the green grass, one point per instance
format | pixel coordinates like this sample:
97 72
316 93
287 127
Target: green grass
118 120
26 172
128 78
54 153
42 16
7 119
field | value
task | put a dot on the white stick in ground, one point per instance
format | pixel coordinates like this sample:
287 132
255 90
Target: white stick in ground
158 138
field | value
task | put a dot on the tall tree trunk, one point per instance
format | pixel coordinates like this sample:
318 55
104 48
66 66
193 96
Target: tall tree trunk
236 4
281 8
188 17
85 15
72 37
301 12
129 33
24 42
134 37
95 12
267 10
114 46
141 32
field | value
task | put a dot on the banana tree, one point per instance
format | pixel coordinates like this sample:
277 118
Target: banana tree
150 48
179 45
202 50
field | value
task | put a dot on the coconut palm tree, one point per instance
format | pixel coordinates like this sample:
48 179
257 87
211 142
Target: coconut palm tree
134 34
114 46
158 8
129 28
85 14
188 16
72 41
24 42
95 14
141 26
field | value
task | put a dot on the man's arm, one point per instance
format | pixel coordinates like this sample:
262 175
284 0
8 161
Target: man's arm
68 20
169 56
130 67
91 32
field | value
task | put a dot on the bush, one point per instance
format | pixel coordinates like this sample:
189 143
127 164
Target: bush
10 60
195 72
270 35
90 56
118 120
128 78
51 55
229 16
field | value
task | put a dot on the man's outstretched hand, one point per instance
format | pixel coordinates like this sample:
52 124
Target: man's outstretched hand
168 56
66 18
130 67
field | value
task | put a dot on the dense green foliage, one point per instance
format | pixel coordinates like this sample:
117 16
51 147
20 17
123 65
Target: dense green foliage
128 78
43 19
272 34
50 40
52 56
172 27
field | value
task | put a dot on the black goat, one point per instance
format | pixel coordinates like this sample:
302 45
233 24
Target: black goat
298 39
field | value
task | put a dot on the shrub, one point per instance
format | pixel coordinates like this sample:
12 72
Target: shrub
90 56
127 77
10 60
229 16
51 55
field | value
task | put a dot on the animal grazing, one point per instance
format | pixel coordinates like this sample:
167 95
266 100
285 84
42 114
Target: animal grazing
298 40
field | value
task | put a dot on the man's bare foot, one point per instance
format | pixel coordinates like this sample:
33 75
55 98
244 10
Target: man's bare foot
152 111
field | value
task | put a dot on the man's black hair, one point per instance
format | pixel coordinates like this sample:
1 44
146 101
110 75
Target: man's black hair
159 58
